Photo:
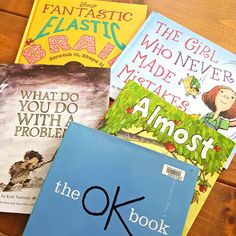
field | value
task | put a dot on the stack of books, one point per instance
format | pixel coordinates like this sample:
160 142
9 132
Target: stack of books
113 124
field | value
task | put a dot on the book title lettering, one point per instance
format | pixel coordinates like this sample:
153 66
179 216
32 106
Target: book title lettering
102 22
155 53
45 114
64 190
180 135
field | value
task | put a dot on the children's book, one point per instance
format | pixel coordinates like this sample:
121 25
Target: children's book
140 116
37 103
183 68
101 185
93 33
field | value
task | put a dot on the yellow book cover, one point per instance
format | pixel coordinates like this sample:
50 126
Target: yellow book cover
139 116
93 33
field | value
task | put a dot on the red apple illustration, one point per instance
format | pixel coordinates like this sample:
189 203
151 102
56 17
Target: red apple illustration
202 188
130 110
217 148
170 147
177 122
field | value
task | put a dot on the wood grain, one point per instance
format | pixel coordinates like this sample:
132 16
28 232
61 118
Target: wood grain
17 7
214 20
229 176
10 36
12 224
218 215
2 234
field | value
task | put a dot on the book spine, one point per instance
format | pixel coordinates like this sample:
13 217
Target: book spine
22 45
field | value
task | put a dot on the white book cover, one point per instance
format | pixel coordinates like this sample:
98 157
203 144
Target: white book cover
37 103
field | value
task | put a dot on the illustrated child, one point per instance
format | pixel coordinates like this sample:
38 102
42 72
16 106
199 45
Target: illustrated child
20 170
222 101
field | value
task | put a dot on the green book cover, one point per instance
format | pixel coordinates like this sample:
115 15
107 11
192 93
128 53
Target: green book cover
139 116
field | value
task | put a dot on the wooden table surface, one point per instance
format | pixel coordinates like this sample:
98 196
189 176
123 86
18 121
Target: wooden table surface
213 19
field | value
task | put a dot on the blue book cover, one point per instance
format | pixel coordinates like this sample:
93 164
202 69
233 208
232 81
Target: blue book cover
184 69
101 185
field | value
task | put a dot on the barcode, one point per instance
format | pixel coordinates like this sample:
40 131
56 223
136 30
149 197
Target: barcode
173 172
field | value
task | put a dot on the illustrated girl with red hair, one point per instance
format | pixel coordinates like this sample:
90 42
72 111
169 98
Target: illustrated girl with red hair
221 100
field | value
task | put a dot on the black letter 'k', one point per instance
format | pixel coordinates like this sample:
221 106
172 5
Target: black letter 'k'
114 207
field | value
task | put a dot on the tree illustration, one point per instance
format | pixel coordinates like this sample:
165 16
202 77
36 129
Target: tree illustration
124 123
